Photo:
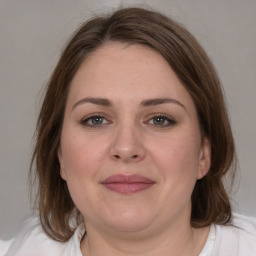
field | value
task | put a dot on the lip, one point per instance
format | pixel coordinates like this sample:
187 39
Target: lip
127 184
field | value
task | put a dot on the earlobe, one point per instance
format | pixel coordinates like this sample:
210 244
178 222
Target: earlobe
204 158
62 172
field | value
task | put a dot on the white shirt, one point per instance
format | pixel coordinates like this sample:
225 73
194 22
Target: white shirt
238 239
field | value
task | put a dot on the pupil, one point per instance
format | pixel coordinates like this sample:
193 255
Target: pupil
97 120
159 120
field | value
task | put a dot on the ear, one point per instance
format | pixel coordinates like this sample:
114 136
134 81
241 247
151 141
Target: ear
60 157
204 158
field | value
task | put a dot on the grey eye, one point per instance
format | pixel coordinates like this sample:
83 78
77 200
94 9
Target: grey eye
160 120
97 120
94 121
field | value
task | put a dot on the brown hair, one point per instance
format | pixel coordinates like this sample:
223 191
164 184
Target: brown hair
210 203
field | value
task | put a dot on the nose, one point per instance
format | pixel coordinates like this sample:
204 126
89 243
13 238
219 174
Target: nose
127 145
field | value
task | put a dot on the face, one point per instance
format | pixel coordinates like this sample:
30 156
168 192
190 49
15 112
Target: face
131 148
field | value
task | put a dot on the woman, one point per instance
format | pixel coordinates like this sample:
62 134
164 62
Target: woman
133 144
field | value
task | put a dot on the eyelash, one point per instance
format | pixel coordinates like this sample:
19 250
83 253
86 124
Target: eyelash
85 121
170 121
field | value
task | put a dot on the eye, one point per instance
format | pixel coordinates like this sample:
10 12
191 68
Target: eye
94 121
162 121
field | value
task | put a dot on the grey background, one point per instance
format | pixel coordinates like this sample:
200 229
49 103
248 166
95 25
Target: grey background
32 34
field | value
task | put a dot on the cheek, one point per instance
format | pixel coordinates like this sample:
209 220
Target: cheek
82 160
81 155
178 156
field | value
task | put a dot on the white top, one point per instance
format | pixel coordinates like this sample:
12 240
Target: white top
238 239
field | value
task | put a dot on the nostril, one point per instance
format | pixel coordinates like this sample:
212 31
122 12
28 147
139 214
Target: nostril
132 157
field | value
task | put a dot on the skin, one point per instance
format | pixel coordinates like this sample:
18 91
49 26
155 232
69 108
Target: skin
128 138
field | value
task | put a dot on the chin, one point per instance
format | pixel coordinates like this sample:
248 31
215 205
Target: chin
130 226
131 220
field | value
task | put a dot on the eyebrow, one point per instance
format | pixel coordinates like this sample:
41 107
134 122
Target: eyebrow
96 101
144 103
159 101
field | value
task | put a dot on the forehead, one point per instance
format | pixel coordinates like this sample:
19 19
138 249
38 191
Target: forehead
128 71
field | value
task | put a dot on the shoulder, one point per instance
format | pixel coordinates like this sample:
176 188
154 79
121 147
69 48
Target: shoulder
248 224
33 239
4 246
238 238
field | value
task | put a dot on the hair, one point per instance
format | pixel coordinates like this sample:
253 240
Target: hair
210 202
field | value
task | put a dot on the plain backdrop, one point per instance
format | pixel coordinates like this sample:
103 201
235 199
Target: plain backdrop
32 34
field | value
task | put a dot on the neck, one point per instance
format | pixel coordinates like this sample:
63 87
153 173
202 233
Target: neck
176 240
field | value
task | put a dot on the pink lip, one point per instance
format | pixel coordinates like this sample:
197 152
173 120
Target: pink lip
127 184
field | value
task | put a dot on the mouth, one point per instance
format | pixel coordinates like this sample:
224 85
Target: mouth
127 184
